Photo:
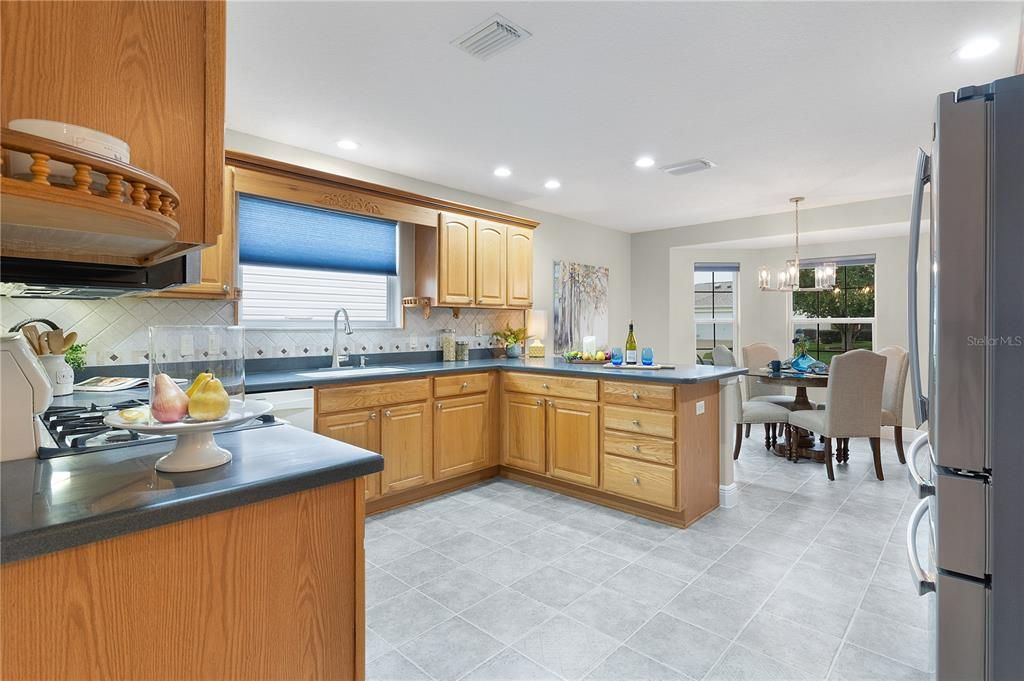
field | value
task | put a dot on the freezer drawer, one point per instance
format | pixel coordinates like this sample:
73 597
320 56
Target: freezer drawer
960 521
961 632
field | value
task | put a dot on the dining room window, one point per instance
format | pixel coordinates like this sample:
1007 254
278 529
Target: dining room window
714 306
840 319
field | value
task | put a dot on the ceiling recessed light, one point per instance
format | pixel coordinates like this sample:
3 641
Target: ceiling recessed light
694 165
552 184
980 47
644 162
348 145
502 171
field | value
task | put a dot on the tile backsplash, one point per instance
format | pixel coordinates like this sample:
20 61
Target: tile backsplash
116 330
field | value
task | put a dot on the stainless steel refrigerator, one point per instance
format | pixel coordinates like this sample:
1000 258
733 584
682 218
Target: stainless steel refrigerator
969 469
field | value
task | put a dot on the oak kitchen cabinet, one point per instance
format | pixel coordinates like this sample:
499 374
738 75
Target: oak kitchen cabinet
456 265
525 437
573 441
461 435
359 428
520 267
151 74
491 263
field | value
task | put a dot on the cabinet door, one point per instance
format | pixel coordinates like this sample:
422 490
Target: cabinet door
358 428
520 267
573 441
405 446
218 263
456 260
461 435
491 258
525 436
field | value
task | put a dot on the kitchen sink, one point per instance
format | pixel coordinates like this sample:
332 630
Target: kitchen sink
341 372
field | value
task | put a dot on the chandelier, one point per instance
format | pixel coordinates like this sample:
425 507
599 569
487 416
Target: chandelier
788 278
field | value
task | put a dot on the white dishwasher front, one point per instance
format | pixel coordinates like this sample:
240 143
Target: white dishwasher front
293 406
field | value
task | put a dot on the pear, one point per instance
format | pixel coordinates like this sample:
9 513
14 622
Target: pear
209 402
170 403
198 383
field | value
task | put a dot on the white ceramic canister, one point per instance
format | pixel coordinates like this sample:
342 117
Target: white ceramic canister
59 373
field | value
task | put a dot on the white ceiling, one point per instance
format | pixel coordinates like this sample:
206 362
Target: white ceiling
827 100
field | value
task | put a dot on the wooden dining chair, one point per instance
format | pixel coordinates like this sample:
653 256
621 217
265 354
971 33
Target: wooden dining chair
748 412
897 362
853 405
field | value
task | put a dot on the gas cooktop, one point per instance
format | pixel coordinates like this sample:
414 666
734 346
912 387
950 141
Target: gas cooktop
80 429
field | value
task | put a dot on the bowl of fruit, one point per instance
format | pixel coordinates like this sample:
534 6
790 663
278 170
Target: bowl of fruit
580 357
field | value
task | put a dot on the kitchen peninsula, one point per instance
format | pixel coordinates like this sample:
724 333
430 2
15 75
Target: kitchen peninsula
641 441
249 570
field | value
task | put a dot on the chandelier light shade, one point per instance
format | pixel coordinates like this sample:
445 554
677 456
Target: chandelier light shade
788 278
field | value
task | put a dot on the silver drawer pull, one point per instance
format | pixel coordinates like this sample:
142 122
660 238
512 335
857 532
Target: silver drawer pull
636 448
465 385
636 395
387 412
545 386
439 405
636 422
373 415
636 480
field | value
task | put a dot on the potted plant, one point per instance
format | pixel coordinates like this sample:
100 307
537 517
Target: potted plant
512 339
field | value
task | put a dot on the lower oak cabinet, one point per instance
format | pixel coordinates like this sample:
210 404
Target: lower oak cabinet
552 436
461 435
525 441
573 441
400 434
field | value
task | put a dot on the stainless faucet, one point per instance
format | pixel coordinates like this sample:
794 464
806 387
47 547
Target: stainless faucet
336 359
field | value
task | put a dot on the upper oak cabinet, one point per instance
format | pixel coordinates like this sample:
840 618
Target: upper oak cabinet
470 262
149 73
456 267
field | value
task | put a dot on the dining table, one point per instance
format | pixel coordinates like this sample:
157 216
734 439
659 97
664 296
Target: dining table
802 444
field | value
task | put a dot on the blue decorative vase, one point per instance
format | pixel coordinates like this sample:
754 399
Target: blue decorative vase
802 362
514 351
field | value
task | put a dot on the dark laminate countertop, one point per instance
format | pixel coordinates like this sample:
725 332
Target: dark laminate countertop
55 504
306 378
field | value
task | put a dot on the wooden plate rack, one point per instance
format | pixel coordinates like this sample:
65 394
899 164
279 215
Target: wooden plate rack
130 221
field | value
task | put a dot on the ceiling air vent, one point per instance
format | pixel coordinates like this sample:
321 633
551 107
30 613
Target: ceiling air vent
694 165
495 35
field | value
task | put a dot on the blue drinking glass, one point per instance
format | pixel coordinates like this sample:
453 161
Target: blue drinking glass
647 356
617 356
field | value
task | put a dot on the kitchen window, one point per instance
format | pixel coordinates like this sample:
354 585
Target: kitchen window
714 306
299 263
841 319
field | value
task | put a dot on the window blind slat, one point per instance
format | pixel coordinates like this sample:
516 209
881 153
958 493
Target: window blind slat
272 232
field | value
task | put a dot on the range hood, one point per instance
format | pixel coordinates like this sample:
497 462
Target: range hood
31 278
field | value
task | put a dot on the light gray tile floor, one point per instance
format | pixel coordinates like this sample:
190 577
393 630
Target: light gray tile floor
802 579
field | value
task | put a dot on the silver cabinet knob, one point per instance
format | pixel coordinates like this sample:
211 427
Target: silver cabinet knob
540 402
636 395
465 385
387 412
636 422
373 415
636 481
550 403
636 448
545 386
439 405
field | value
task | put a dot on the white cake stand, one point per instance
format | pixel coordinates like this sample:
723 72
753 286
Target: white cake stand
196 449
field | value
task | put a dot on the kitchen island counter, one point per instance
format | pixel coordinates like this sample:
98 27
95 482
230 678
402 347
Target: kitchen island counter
55 504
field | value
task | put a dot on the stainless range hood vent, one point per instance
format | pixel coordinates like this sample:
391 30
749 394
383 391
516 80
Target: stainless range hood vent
495 35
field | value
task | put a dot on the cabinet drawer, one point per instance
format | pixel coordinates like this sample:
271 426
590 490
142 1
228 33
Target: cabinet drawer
647 482
342 398
644 421
555 386
461 384
647 395
640 447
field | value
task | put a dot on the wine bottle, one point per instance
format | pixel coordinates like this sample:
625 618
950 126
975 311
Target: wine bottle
630 346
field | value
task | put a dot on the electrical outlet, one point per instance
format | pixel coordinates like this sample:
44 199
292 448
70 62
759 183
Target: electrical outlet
412 343
187 347
479 329
214 348
700 407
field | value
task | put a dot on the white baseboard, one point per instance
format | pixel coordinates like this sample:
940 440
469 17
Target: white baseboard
728 495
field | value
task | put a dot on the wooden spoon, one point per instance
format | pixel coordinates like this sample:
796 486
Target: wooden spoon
55 341
69 340
31 334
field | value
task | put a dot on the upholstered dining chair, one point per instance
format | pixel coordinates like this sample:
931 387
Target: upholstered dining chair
757 356
897 362
748 412
853 405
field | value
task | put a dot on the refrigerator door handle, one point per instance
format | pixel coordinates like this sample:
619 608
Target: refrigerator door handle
922 177
923 581
923 488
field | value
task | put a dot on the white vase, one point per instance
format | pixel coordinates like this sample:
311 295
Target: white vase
59 373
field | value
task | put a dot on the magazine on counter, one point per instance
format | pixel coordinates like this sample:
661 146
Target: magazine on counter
109 384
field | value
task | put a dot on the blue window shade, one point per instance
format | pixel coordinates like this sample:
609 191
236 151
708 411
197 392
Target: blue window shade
716 267
272 232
